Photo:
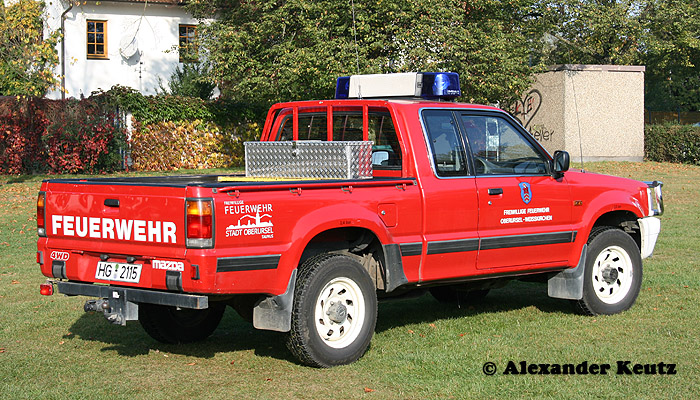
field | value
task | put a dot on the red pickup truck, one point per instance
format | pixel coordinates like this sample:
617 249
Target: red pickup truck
458 199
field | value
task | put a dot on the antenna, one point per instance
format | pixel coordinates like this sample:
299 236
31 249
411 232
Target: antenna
354 33
578 119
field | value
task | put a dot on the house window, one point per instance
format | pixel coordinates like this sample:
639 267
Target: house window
188 48
96 39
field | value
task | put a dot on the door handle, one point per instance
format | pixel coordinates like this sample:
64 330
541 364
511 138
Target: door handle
495 191
112 202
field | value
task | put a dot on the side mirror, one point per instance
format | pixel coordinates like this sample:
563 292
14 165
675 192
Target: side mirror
380 157
560 163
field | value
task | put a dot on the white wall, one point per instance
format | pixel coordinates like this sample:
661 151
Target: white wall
155 27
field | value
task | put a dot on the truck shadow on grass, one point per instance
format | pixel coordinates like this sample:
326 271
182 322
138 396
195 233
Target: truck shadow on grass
236 335
233 335
425 309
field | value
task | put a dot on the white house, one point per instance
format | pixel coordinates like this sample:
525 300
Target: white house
127 42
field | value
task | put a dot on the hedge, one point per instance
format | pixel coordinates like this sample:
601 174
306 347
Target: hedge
188 144
672 143
89 135
58 136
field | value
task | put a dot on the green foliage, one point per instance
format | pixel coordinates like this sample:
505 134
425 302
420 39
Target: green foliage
673 55
277 51
660 34
190 81
672 143
593 31
26 57
153 109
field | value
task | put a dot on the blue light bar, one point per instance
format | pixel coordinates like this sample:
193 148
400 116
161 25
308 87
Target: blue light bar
441 85
426 85
342 88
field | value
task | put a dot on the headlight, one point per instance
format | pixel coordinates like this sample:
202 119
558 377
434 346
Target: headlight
656 199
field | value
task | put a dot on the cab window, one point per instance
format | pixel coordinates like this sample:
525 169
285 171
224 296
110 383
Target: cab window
498 148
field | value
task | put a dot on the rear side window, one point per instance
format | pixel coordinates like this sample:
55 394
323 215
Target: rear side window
348 126
312 126
386 152
445 141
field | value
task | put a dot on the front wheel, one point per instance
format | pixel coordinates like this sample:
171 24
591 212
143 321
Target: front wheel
168 324
335 311
613 274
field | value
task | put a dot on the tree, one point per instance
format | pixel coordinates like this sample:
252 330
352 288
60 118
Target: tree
663 35
26 58
295 49
189 81
593 31
672 55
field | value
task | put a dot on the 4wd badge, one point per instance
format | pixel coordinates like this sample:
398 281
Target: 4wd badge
525 192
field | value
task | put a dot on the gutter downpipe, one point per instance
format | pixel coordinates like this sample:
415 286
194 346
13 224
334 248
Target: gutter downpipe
63 50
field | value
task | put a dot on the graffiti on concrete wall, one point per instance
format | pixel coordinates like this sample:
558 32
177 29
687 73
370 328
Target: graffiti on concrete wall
526 109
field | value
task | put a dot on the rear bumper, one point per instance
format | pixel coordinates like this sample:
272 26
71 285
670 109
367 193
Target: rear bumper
134 295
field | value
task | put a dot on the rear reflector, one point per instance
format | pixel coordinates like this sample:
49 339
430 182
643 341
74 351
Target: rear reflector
46 289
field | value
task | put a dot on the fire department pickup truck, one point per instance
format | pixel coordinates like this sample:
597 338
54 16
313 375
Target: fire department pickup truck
384 190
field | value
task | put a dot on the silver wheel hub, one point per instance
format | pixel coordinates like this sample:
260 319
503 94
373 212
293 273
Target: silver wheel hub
337 312
612 275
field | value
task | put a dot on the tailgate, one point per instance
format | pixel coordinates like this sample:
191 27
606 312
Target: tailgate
88 225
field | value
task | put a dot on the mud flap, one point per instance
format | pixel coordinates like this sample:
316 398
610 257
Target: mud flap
568 284
395 276
274 313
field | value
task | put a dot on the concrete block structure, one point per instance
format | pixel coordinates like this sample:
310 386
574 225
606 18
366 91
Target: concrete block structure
595 112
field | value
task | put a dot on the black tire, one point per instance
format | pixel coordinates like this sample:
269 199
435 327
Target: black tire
334 313
457 294
167 324
613 275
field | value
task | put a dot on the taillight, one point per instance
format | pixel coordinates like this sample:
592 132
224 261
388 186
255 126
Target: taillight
41 214
200 223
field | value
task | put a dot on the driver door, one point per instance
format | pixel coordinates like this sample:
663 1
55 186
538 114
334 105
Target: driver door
524 213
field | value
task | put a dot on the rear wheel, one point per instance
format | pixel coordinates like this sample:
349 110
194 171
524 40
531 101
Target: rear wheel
335 311
613 274
169 324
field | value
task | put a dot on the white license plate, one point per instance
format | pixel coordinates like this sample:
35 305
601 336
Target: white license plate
110 271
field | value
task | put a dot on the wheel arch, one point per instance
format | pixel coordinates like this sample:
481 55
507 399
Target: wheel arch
381 261
622 219
350 229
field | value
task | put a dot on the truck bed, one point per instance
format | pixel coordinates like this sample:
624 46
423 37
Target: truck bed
223 181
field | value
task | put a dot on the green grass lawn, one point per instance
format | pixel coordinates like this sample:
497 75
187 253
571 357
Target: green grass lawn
422 349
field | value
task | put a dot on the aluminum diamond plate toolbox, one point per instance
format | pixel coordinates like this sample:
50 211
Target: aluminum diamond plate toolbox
309 159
